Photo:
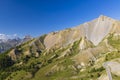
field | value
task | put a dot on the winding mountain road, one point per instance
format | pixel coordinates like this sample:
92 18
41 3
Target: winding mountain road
105 65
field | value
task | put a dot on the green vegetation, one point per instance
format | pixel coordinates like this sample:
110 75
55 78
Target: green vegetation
19 75
115 77
114 41
49 65
5 64
5 61
112 55
75 47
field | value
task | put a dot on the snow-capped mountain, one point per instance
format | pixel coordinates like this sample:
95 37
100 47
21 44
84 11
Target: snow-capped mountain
3 38
9 41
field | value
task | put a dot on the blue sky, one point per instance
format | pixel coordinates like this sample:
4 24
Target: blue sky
37 17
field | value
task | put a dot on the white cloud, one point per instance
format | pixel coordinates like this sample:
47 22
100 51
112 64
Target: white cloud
6 37
3 36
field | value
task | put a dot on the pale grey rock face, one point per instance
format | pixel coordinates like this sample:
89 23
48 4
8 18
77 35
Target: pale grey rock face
62 38
97 29
114 67
94 31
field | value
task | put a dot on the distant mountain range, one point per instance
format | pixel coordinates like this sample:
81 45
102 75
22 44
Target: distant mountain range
9 41
90 51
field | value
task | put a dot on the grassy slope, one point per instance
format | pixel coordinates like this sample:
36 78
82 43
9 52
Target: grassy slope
37 68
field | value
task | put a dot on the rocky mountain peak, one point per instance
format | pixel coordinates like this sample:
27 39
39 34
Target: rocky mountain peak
97 29
94 31
103 17
78 52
